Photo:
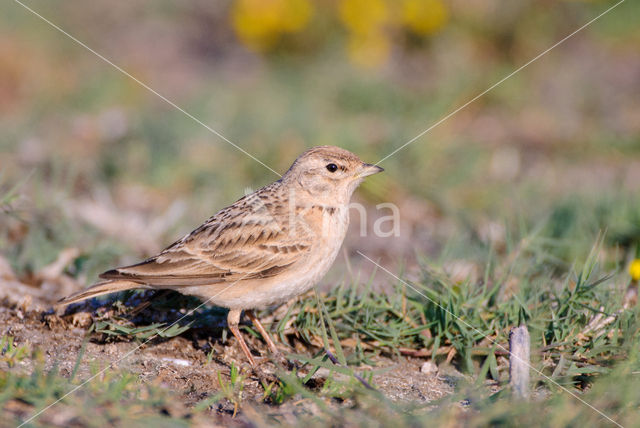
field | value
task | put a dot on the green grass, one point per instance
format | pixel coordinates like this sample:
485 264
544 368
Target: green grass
529 282
230 390
113 397
474 318
10 353
110 328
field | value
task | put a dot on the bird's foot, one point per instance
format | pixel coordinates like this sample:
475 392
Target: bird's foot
265 375
281 361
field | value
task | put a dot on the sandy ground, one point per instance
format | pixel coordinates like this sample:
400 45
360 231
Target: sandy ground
180 364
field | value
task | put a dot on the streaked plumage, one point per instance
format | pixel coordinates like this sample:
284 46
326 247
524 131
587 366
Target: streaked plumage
266 248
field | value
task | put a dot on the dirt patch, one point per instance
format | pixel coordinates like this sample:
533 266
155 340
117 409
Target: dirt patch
188 365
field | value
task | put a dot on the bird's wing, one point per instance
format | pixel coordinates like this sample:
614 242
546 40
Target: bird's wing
247 240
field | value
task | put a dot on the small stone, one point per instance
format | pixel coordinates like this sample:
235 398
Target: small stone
429 368
81 319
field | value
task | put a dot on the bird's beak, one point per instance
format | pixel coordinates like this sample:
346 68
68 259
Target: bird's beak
369 169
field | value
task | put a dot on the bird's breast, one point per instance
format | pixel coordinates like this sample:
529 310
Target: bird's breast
327 223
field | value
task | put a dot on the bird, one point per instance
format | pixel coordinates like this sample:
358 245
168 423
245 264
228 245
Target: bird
266 248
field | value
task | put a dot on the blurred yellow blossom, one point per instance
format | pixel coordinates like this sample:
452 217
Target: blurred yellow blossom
634 270
371 24
369 50
363 16
424 17
369 44
260 23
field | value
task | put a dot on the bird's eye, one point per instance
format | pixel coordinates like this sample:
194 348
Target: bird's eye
332 167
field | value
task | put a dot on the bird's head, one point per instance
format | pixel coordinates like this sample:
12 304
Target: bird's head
329 173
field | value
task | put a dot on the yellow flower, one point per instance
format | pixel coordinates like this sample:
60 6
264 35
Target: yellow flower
260 23
369 50
368 44
363 16
634 270
424 17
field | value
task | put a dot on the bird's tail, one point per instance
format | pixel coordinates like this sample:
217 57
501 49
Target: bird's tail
104 287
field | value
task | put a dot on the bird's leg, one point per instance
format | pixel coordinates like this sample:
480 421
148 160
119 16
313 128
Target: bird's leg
233 319
256 322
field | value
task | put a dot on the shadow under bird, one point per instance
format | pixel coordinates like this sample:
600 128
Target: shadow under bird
266 248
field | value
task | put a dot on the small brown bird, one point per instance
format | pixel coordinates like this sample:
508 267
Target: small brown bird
265 249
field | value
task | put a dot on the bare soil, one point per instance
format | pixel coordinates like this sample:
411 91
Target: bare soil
180 364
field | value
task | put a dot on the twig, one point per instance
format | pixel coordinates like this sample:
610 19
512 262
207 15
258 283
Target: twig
519 348
335 361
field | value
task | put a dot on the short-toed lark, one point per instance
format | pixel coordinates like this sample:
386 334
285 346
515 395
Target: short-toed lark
266 248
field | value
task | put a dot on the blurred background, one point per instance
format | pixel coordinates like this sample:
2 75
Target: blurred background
92 161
